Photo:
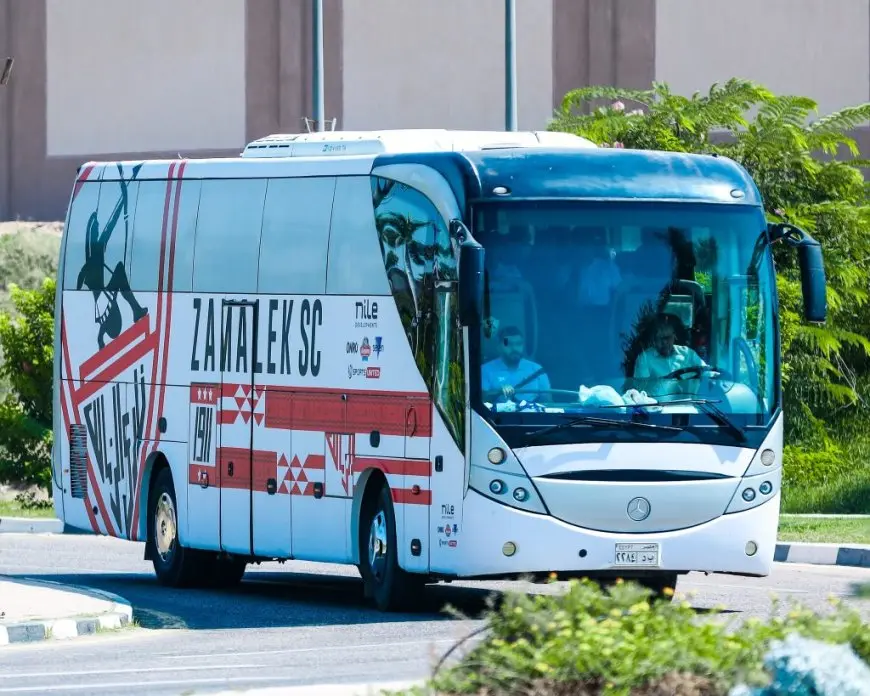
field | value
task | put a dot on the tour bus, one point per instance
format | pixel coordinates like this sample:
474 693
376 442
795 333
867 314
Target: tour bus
430 354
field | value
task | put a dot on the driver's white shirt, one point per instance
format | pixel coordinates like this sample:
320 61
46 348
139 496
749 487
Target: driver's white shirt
651 364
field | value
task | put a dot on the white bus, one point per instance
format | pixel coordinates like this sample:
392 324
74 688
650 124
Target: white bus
429 354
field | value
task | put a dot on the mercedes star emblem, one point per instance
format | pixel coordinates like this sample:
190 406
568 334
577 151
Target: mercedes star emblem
639 509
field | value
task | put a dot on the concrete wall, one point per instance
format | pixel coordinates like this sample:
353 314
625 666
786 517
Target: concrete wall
441 64
816 48
171 77
105 79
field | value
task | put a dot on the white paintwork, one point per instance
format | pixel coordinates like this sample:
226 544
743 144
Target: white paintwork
309 343
122 80
546 544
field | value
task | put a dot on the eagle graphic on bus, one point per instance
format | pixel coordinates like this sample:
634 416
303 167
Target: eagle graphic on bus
222 391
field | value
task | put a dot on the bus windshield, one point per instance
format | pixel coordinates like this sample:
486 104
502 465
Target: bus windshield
591 306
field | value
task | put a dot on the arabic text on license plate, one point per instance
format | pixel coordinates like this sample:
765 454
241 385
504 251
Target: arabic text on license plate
636 555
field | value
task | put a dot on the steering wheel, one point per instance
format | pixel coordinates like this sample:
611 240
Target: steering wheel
698 370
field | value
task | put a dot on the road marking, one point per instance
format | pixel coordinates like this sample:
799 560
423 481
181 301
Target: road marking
126 685
129 670
175 656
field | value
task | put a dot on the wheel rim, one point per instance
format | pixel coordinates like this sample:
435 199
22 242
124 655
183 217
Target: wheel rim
378 544
165 527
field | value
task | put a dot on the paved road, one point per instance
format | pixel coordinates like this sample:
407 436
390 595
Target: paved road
293 624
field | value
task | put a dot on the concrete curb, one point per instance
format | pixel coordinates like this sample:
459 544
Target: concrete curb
851 555
119 616
31 525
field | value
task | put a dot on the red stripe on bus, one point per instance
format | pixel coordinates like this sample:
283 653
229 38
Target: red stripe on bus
410 496
326 410
127 338
66 420
147 451
86 172
397 467
88 389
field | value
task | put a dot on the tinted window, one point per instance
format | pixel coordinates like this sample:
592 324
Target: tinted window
295 235
228 235
84 204
405 221
356 266
148 235
99 255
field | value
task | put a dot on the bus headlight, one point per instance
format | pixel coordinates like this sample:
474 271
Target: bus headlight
497 487
497 474
755 490
768 457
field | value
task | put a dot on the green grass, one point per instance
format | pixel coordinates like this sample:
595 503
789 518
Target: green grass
12 508
824 530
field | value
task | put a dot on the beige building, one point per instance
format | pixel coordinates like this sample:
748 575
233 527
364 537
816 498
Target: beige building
117 78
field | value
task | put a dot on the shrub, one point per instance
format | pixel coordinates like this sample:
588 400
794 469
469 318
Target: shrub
27 342
617 642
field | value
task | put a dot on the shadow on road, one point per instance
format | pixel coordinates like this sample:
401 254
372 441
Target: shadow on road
277 600
271 600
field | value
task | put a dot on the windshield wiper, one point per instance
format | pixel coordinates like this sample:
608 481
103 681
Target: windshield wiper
593 420
707 406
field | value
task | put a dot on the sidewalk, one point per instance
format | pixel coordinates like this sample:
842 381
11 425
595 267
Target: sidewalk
32 610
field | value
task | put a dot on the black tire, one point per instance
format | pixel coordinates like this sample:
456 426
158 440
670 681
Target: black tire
177 566
390 587
223 572
663 586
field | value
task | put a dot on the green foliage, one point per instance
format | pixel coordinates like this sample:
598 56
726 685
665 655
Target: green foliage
826 368
617 641
27 341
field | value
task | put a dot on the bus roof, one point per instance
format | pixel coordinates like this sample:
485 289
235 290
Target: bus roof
530 164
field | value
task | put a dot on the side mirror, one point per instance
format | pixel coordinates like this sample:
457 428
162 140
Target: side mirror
813 280
810 259
471 258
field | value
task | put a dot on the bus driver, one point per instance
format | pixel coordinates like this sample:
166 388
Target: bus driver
663 358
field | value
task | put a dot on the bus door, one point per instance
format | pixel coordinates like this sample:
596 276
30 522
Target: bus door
238 356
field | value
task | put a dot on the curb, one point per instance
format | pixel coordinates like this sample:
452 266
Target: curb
371 689
28 525
121 615
853 555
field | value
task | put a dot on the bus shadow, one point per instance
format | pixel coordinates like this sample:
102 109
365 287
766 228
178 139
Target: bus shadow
286 600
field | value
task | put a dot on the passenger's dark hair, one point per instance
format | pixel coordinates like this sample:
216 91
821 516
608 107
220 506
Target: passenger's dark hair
507 332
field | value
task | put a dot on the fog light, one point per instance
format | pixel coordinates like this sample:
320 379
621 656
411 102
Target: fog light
768 457
509 548
497 487
751 548
521 495
766 487
749 495
496 455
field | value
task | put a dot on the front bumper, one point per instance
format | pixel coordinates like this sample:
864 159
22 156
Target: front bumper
545 544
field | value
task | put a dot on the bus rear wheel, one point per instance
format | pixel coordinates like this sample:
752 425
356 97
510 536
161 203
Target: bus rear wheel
391 588
174 565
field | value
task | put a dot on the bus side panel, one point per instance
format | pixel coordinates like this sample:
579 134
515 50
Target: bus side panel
99 356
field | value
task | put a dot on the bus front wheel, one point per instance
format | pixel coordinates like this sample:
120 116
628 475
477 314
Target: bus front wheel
391 588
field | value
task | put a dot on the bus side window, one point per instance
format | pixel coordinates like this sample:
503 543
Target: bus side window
228 235
295 235
148 236
356 266
85 204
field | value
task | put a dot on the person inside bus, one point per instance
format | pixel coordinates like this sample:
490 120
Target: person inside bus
516 378
664 357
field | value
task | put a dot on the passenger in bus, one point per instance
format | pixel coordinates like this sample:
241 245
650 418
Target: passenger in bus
510 371
664 357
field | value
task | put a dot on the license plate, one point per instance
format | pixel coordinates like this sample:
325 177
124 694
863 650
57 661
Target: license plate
646 555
